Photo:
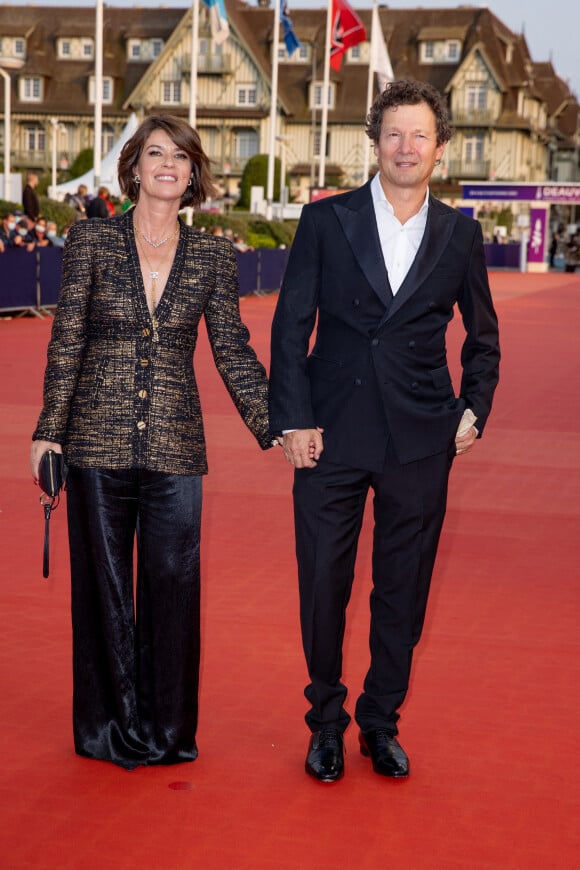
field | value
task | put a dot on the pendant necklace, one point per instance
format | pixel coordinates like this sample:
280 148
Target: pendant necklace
154 276
149 241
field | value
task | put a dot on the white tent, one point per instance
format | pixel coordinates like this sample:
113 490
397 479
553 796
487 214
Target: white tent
108 168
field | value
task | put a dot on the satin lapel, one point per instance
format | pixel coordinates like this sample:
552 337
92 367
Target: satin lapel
438 231
359 225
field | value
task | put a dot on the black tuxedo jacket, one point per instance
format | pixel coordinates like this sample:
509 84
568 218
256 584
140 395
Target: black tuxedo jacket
378 366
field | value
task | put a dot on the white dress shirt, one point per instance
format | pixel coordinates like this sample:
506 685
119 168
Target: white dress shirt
399 242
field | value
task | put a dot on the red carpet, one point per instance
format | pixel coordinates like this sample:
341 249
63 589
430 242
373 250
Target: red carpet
491 724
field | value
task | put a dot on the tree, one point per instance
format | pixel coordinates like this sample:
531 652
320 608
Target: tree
256 175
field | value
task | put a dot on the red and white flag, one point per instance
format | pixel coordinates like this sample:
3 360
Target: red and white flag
347 30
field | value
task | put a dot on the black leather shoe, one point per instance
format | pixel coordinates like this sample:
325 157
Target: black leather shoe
386 753
325 759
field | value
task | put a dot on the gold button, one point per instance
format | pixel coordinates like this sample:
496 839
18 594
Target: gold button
141 425
146 332
144 362
142 394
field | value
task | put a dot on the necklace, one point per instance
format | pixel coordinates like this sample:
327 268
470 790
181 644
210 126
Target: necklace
153 244
154 276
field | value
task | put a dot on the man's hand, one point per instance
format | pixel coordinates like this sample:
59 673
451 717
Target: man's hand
302 448
465 442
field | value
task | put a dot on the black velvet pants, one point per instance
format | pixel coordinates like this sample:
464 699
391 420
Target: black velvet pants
136 642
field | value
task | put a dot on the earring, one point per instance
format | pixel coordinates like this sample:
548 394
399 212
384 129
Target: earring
190 182
137 179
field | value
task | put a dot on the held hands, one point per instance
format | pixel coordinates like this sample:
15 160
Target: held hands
303 447
37 449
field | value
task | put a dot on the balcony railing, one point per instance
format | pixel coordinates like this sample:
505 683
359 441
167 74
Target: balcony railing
207 64
469 169
474 117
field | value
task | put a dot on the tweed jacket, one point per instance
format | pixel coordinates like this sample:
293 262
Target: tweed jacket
119 394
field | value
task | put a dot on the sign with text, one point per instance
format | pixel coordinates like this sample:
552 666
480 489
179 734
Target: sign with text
546 192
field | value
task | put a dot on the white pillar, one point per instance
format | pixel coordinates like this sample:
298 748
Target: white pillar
7 134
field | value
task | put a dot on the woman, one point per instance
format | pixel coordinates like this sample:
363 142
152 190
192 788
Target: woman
121 402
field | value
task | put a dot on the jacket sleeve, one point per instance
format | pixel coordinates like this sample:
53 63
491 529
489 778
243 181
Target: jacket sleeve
480 353
242 373
292 326
67 342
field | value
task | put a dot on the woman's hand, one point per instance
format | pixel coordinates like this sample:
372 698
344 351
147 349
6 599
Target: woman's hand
37 449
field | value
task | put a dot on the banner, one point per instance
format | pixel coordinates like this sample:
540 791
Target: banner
380 60
290 39
218 18
347 31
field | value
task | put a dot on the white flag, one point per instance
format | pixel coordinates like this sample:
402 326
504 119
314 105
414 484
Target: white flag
380 60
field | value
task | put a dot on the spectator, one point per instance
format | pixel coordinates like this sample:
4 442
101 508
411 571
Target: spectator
40 235
30 199
240 245
23 238
79 202
7 230
53 236
99 206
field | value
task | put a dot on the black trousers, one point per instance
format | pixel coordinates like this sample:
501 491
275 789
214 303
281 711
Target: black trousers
409 508
136 643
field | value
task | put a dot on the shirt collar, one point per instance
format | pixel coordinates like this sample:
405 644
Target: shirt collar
380 200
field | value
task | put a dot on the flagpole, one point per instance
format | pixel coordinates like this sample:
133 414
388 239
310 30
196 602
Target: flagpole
98 122
193 64
367 148
273 112
325 87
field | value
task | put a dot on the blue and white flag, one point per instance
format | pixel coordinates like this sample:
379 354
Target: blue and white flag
290 39
218 19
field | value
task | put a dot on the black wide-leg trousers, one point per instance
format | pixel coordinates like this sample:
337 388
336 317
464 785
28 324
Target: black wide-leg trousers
136 635
409 508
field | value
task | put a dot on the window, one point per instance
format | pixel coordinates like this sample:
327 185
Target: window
65 48
156 47
354 53
247 95
19 47
107 138
429 51
453 50
134 49
473 148
107 95
34 138
476 97
316 91
31 89
316 145
246 144
171 93
87 48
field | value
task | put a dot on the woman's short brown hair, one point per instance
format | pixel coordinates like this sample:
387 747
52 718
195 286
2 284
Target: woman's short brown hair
184 137
407 92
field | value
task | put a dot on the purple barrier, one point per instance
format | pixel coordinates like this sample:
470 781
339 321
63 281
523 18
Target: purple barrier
49 275
18 284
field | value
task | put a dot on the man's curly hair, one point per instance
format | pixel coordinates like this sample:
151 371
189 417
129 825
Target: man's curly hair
406 92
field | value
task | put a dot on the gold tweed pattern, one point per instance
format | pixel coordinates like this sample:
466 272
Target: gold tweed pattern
115 398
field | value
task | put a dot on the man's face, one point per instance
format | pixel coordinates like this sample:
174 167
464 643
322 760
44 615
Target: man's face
407 149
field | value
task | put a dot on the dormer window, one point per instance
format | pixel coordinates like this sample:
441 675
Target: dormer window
31 89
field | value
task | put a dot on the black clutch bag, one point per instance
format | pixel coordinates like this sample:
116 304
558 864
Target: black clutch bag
52 472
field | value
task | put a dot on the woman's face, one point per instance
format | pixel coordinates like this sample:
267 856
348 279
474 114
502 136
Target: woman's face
164 169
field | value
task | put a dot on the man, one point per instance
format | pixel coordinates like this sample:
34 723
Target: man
373 407
30 201
98 207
